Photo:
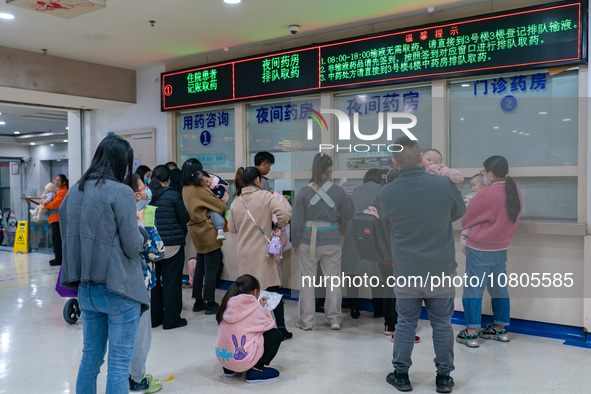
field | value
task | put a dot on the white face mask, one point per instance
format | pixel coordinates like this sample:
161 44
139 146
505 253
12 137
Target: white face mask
486 181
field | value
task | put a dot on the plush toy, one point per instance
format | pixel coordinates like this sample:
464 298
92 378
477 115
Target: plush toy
46 197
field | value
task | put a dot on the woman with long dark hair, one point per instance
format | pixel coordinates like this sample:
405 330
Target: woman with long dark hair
492 216
316 239
102 262
252 203
199 201
62 184
171 223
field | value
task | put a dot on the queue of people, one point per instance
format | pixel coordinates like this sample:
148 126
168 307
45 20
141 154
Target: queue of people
416 204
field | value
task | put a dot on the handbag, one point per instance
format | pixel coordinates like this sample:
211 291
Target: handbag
274 244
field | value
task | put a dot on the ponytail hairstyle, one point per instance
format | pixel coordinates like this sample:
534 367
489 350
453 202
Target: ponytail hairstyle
64 180
246 177
499 166
189 167
245 284
320 165
376 175
160 173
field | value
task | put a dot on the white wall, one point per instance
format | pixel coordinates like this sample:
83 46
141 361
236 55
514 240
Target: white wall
38 173
145 114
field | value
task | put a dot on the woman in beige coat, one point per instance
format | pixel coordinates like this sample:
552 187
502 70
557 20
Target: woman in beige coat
199 201
252 244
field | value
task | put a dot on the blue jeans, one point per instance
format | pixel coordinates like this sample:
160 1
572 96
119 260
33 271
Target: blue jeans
217 220
480 264
106 316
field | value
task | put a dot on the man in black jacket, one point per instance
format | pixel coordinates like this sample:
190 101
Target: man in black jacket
421 208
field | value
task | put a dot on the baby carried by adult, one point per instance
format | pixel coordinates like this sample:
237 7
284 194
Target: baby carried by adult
219 187
46 197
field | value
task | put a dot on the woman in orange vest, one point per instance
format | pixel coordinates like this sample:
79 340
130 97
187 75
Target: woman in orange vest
61 182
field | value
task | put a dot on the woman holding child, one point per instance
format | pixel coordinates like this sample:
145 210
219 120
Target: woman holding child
492 216
252 204
199 201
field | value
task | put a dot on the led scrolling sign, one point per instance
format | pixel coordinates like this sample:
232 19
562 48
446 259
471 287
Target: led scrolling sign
527 38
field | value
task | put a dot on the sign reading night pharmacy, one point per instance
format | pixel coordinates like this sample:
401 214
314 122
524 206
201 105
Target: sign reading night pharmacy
526 38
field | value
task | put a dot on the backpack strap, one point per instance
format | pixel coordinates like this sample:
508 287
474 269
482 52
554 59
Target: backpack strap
322 194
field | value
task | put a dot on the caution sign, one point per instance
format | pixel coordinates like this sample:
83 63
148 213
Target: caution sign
21 242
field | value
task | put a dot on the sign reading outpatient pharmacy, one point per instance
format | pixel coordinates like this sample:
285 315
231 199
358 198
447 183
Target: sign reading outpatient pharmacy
526 38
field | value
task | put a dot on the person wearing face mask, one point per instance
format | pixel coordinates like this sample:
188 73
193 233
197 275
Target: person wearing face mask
492 215
171 223
11 224
145 173
61 183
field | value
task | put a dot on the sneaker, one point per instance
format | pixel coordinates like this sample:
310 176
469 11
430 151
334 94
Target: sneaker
470 340
211 308
221 236
228 373
388 330
286 334
335 326
399 380
54 262
199 306
417 338
444 383
299 325
155 385
490 332
144 384
266 375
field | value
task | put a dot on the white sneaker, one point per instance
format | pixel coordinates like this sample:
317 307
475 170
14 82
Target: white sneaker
221 236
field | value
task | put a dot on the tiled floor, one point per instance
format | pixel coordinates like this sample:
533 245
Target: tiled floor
40 352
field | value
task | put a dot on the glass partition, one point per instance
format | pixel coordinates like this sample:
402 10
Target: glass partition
208 135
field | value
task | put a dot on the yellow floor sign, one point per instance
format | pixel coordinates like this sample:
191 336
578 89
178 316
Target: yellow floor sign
20 241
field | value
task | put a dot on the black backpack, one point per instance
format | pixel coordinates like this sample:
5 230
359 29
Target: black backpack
372 238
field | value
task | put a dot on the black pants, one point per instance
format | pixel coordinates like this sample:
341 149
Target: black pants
57 241
167 295
273 339
206 267
279 311
389 299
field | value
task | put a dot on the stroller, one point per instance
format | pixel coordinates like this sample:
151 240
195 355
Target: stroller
71 311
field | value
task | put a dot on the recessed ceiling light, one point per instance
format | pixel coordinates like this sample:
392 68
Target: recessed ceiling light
98 36
526 134
543 113
17 132
31 143
232 1
566 120
4 15
515 131
521 132
2 123
51 144
67 128
495 127
461 118
65 140
465 85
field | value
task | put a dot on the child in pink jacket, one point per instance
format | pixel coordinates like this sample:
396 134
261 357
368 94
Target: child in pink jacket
247 338
432 163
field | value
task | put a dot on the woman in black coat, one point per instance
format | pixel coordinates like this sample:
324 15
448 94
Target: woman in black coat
171 223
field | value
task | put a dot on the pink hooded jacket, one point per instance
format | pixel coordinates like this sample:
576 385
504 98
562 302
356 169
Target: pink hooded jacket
441 169
240 339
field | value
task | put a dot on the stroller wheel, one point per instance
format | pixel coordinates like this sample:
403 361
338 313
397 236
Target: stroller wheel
71 311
